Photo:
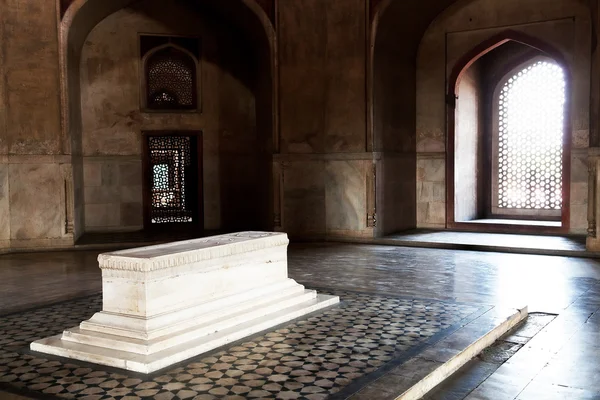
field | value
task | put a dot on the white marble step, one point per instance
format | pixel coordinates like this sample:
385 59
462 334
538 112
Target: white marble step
150 363
164 324
229 318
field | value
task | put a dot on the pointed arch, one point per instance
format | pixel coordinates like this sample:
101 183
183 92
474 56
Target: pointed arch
80 19
496 41
461 66
83 15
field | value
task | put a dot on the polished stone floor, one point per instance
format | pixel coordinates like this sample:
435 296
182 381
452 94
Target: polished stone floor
331 352
561 361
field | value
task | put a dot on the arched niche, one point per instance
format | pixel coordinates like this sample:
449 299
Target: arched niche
564 25
243 16
396 29
471 129
158 89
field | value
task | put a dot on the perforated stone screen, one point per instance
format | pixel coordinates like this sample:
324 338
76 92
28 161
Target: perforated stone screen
530 138
170 157
170 80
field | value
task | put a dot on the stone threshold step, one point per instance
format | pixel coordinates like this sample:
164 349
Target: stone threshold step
466 246
417 376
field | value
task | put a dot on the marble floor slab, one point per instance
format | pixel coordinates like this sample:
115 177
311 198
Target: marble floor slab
311 358
565 286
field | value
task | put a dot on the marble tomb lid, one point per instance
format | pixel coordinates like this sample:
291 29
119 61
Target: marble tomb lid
168 255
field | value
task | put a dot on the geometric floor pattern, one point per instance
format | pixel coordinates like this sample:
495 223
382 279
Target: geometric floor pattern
311 358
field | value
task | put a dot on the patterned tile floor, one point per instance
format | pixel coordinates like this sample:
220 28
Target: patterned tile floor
327 354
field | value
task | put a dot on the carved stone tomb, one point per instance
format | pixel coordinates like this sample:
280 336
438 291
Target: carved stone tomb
166 303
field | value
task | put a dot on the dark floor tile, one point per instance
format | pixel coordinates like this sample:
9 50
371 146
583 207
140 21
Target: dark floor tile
499 352
463 381
311 358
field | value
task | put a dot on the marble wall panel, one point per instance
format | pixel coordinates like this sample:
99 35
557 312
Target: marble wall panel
431 169
579 207
78 197
36 204
579 167
396 193
579 219
431 191
113 193
579 191
92 174
4 203
346 195
304 198
103 217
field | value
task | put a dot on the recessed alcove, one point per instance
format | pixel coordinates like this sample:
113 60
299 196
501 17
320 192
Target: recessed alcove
508 145
200 67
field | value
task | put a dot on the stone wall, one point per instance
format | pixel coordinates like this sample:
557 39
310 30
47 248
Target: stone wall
323 153
468 145
563 24
327 120
33 168
112 121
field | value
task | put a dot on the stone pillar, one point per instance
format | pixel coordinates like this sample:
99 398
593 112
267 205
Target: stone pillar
593 239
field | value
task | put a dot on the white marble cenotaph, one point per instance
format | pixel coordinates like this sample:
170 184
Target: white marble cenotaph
166 303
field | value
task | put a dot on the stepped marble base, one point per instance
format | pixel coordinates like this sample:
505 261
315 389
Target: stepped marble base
79 344
164 304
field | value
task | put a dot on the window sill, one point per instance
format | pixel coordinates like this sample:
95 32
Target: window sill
497 225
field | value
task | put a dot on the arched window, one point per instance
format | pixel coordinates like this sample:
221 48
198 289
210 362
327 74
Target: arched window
529 111
170 80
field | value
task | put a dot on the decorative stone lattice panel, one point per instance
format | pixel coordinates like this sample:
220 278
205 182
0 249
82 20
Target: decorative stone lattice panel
170 80
531 127
170 157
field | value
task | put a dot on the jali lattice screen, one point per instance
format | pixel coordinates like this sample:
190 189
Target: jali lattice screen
530 142
170 80
170 157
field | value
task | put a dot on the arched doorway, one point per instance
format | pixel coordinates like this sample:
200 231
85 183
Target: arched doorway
508 165
234 110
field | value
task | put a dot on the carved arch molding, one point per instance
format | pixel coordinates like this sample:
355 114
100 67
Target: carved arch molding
267 5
